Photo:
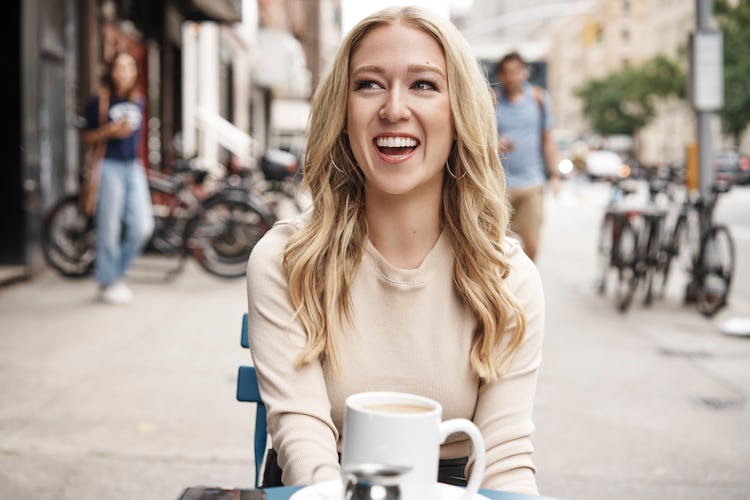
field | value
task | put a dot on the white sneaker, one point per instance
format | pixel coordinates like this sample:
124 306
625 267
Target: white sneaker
117 293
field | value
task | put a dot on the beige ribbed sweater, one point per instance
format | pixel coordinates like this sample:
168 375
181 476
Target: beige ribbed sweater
412 334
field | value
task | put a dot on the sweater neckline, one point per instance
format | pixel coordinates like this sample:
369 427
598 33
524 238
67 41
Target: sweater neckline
438 258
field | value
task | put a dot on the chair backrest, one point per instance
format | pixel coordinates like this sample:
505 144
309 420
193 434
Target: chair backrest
247 391
244 341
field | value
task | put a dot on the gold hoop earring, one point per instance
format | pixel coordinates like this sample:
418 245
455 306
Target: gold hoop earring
448 168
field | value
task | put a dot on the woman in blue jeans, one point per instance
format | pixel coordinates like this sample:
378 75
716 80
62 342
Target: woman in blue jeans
124 220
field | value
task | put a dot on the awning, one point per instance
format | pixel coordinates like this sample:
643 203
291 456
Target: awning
228 11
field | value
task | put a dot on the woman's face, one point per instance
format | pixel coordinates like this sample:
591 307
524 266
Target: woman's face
124 73
398 112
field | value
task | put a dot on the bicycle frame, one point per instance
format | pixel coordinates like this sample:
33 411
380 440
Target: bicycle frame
694 234
711 275
639 257
181 212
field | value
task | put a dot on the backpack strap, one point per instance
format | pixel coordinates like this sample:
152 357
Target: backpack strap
543 133
103 106
539 98
101 146
92 162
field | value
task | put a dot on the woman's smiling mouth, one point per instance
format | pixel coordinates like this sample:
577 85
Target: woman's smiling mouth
395 148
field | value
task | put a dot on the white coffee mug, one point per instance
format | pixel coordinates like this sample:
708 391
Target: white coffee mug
394 428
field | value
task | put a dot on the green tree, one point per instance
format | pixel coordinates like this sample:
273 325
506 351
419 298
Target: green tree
734 18
624 101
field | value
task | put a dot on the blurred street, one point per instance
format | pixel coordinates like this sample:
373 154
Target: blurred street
653 404
138 402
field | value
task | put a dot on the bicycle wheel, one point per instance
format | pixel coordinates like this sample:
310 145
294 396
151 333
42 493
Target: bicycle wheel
626 259
223 235
170 223
604 253
670 252
69 239
715 269
653 253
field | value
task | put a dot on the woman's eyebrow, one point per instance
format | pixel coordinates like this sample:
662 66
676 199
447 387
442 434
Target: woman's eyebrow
412 68
368 68
425 68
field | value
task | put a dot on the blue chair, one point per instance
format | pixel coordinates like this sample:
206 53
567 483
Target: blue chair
247 391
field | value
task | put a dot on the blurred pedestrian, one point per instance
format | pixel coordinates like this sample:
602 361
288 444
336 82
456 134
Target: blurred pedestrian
124 220
401 276
527 149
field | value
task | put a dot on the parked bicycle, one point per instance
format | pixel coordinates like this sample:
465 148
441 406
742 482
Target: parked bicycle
640 243
706 249
275 178
218 229
629 244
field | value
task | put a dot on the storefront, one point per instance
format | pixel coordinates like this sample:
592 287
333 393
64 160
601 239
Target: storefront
57 49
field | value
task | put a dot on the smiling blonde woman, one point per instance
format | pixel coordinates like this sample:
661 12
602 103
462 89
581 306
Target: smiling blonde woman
400 277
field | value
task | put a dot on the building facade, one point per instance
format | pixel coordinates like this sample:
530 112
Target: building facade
574 41
611 36
58 49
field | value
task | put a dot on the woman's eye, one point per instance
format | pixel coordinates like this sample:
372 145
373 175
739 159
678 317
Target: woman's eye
424 85
366 84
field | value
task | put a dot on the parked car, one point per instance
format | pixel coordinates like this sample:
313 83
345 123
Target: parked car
606 165
730 166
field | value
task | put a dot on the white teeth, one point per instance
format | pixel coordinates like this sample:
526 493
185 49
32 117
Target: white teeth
396 142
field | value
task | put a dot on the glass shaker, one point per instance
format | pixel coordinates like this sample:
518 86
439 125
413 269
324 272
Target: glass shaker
373 481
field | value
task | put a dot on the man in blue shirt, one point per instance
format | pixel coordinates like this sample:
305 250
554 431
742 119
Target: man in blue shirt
528 153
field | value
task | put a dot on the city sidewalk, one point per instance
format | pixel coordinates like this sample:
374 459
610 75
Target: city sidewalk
653 404
106 402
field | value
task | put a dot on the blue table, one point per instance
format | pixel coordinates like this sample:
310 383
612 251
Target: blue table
285 492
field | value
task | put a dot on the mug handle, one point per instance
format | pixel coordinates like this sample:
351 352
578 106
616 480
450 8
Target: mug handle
447 428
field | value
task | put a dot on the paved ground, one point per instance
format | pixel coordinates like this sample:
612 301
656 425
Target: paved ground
649 405
102 402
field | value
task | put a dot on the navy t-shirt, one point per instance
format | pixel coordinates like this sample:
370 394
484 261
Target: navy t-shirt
125 149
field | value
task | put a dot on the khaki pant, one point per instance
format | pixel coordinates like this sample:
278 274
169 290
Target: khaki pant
526 220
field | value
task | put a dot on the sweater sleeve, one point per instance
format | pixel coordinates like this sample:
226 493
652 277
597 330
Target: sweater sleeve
299 411
504 408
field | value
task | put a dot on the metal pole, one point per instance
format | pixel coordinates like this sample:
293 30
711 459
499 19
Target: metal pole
703 13
704 118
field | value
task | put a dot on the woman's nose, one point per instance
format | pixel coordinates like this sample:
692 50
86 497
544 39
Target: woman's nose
395 107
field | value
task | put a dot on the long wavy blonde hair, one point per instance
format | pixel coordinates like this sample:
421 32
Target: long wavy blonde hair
322 258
